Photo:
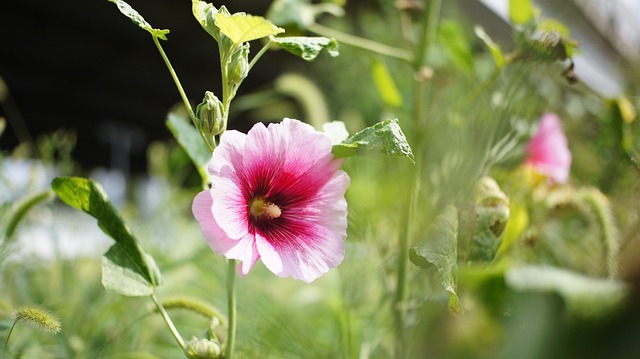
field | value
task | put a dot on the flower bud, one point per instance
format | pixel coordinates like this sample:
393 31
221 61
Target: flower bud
239 65
210 115
203 349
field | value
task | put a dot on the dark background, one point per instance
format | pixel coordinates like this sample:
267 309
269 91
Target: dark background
82 65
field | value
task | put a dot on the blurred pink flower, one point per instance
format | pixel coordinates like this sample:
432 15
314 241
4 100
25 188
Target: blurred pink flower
277 193
548 152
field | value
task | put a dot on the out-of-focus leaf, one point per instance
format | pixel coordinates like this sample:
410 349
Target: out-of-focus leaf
137 19
496 52
439 248
190 141
584 296
89 196
307 47
453 39
385 85
386 137
206 13
483 224
3 125
299 13
628 111
518 221
20 209
521 12
241 27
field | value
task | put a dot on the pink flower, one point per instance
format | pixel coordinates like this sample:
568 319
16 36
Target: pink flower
548 152
277 193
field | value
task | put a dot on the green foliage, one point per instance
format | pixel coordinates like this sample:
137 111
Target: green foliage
137 19
307 47
386 137
438 247
299 13
206 14
385 85
190 141
521 12
127 268
496 52
242 27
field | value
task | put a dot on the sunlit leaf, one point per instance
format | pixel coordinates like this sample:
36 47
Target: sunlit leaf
496 52
241 27
386 137
190 141
206 14
386 86
584 296
438 248
89 196
307 47
137 19
521 11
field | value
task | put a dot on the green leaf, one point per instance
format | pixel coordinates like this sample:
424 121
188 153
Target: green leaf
300 13
137 19
3 125
385 84
120 274
496 52
307 47
241 27
454 39
521 12
584 296
439 249
190 141
291 12
89 196
206 14
386 137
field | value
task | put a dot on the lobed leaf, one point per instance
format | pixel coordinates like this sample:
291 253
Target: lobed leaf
386 137
137 19
307 47
127 255
241 27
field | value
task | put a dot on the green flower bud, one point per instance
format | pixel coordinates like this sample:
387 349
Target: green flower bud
203 349
239 65
210 115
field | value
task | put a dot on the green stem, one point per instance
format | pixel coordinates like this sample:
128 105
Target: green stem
183 95
167 319
429 28
231 297
259 54
6 343
362 43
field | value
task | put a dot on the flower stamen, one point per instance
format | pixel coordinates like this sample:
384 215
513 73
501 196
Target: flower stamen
262 208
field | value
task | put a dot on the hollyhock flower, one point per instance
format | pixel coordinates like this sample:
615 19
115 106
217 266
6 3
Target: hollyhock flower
548 152
277 193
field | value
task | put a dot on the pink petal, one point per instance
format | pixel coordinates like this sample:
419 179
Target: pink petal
548 151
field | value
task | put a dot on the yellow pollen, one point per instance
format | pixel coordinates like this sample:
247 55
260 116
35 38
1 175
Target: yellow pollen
260 207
